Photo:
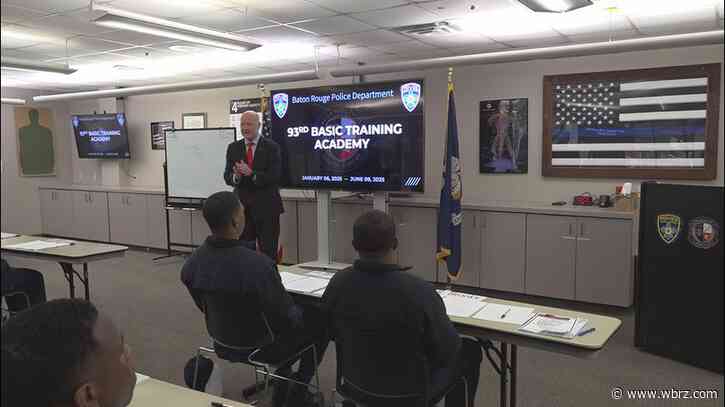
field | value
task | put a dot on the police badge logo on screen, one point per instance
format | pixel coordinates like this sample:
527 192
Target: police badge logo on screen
76 121
120 118
280 101
668 227
410 95
703 233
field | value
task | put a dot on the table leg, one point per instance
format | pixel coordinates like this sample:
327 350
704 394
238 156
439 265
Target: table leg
512 372
504 373
86 282
69 272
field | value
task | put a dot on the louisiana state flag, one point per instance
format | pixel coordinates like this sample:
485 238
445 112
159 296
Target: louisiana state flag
450 215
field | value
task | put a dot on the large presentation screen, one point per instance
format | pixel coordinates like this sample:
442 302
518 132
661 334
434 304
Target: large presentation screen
101 135
367 136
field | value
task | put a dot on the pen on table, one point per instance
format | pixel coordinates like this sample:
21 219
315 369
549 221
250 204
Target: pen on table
504 314
218 404
586 331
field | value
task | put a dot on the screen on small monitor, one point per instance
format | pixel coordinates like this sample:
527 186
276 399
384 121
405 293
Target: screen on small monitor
361 137
101 135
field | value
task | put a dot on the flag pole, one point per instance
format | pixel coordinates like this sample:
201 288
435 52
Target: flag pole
450 88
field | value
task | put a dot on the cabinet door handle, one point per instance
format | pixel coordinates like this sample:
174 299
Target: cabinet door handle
568 237
483 221
475 221
583 239
581 229
570 229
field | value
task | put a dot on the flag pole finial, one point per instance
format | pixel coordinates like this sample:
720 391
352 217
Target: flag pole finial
450 78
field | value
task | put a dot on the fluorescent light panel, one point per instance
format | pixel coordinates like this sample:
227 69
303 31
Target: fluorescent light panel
126 20
12 101
33 66
555 6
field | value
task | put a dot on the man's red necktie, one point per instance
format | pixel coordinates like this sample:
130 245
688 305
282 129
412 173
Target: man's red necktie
250 155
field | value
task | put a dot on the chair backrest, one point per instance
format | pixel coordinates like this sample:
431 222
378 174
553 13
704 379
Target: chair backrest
235 321
380 365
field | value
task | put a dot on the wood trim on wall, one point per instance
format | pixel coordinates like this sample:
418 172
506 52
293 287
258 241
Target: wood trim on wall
708 172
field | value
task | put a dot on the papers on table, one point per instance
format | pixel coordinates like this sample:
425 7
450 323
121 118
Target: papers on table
321 274
38 245
554 325
306 284
461 304
7 235
288 277
504 313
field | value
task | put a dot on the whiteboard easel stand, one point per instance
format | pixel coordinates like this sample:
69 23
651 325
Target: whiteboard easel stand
167 208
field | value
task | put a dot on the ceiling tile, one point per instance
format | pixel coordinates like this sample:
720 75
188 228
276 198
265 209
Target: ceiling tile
102 58
13 14
335 25
16 35
588 20
281 34
453 8
398 16
51 6
133 38
164 8
26 53
225 20
408 48
369 38
77 46
356 6
603 36
78 22
479 49
14 43
537 42
287 11
685 20
463 39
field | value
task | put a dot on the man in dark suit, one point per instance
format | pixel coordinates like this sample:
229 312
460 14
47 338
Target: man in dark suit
254 169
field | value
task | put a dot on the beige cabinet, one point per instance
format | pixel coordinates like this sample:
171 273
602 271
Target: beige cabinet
56 210
128 217
90 216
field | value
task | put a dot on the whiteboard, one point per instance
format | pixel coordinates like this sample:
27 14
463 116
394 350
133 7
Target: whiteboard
195 161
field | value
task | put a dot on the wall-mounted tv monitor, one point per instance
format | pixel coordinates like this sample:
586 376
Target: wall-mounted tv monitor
101 135
361 137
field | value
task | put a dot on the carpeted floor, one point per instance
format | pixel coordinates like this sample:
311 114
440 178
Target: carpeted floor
164 328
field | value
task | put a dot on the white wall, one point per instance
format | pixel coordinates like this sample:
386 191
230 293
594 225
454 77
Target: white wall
20 197
473 84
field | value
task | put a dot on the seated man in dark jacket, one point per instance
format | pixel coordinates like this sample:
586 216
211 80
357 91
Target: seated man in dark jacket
378 292
226 264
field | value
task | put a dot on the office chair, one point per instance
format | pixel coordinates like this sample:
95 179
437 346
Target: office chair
383 367
240 333
6 313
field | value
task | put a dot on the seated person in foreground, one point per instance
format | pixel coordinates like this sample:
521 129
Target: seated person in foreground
21 280
376 295
224 264
64 353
